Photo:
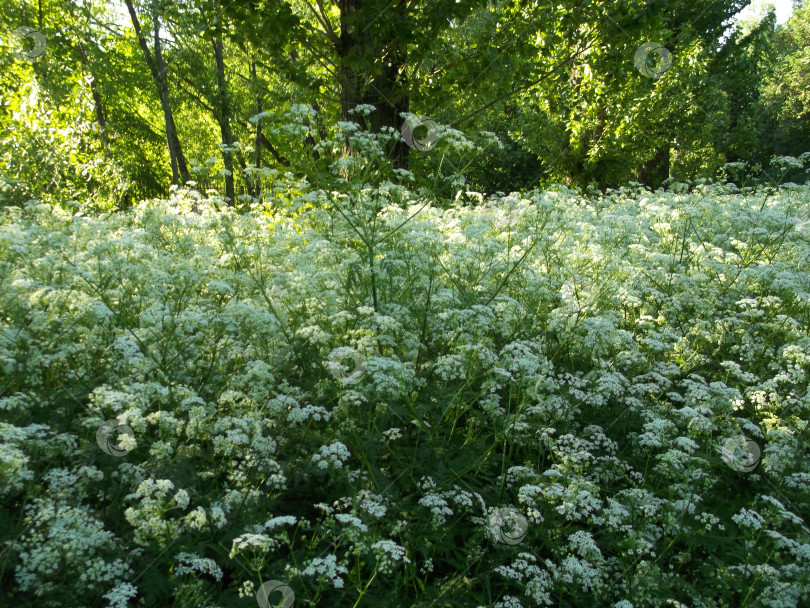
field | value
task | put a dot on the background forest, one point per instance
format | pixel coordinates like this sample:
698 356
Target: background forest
123 100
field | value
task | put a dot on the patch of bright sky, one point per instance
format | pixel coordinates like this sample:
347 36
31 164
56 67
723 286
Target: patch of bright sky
784 8
119 9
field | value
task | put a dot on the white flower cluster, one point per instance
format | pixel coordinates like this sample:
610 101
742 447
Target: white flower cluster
190 563
537 581
119 596
388 555
325 569
438 508
392 434
332 456
581 358
253 546
281 520
60 536
148 517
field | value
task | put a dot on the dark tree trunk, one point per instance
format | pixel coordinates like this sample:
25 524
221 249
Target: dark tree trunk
158 71
101 118
258 142
346 44
348 78
386 94
179 168
224 119
255 187
655 171
386 91
311 140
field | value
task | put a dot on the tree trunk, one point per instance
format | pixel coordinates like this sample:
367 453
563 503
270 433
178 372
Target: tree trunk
158 71
655 171
255 184
224 119
388 95
346 75
386 91
175 150
101 118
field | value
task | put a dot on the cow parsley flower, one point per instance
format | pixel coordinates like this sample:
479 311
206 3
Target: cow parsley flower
748 518
326 568
389 554
508 601
119 596
332 456
392 434
351 520
191 563
281 520
438 507
251 541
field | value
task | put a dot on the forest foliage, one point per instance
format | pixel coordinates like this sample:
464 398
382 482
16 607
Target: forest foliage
109 114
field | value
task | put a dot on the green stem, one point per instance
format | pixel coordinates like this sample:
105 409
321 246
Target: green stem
363 592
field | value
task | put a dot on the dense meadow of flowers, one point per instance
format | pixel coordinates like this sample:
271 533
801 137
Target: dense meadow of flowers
345 395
